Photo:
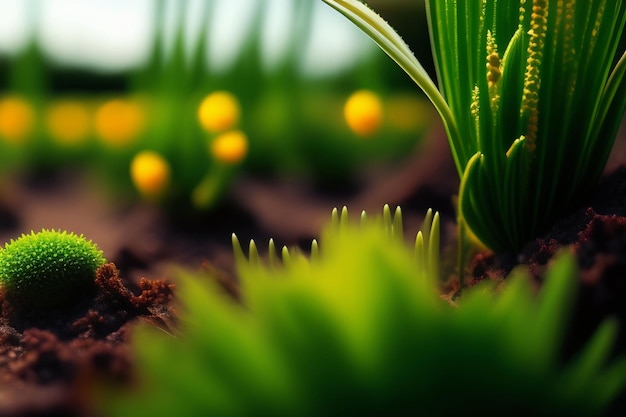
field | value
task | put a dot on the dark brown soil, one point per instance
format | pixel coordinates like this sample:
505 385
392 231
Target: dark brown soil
596 234
48 362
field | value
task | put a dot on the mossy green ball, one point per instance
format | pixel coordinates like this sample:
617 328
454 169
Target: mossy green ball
48 269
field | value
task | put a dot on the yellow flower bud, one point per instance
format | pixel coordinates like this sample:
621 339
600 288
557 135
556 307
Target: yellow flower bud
17 119
219 111
68 122
150 173
230 147
363 113
120 121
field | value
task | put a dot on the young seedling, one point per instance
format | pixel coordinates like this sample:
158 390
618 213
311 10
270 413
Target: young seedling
360 331
426 249
48 269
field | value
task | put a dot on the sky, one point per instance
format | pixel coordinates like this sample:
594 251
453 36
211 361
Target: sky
113 35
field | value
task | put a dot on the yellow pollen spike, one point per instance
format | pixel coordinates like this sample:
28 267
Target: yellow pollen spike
493 69
532 77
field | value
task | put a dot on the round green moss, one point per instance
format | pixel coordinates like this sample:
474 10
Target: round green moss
49 268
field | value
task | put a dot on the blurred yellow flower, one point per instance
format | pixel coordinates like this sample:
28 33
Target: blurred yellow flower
230 147
150 173
17 119
120 121
68 121
219 111
363 113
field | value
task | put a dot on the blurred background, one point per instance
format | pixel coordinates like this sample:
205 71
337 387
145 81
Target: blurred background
198 106
289 65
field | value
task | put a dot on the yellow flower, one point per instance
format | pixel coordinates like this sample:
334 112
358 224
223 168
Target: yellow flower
219 111
68 121
230 147
17 119
363 113
150 173
120 121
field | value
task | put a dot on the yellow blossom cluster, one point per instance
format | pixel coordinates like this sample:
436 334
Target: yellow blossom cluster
70 121
219 114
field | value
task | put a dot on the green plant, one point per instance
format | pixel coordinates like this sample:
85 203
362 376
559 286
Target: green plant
48 268
528 100
359 330
426 247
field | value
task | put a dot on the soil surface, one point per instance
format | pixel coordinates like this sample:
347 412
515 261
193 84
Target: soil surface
48 361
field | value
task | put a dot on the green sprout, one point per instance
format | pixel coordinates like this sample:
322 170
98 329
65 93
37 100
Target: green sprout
359 330
48 269
528 99
426 248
